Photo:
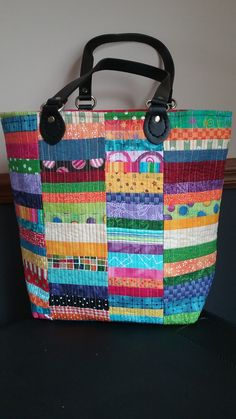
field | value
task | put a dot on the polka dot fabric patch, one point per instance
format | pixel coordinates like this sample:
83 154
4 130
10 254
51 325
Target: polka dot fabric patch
113 227
24 166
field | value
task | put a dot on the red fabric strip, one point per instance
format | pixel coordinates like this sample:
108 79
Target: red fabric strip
136 292
22 137
80 176
22 151
36 278
32 237
193 172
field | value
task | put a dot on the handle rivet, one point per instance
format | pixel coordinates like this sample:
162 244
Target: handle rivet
157 118
51 119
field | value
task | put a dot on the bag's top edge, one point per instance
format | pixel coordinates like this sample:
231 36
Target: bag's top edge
176 112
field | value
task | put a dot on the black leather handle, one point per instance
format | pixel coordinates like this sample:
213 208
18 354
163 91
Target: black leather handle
52 125
88 58
162 93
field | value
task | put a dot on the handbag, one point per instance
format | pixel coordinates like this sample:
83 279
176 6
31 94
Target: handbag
118 210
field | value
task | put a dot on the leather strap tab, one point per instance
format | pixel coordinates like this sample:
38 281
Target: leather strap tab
156 124
52 126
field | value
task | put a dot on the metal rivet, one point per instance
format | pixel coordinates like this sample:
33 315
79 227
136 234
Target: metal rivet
157 118
51 119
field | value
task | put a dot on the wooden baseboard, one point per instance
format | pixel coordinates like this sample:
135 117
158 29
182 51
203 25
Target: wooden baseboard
5 189
230 174
229 182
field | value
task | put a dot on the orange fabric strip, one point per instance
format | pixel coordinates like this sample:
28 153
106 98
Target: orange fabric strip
76 313
187 198
199 133
136 283
37 301
190 265
175 134
24 137
85 197
76 249
84 130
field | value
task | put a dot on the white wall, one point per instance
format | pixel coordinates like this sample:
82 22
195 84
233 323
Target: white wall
41 42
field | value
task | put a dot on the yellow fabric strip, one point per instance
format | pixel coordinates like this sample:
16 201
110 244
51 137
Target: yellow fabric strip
40 261
134 182
135 312
76 249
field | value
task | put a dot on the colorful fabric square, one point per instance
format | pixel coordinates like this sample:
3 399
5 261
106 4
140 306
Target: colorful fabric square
113 227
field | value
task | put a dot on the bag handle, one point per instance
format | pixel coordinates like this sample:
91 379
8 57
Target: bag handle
88 58
52 125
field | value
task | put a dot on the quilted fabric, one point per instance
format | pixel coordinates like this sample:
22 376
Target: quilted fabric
113 227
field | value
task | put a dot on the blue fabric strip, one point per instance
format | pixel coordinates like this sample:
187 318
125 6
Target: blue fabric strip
194 155
25 182
41 251
79 290
135 198
135 319
28 200
40 310
37 228
78 277
136 302
144 167
73 149
186 305
20 123
135 144
194 288
125 260
135 232
33 289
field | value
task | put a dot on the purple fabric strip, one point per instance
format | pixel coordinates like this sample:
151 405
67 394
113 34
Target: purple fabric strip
135 211
150 249
185 187
26 183
87 291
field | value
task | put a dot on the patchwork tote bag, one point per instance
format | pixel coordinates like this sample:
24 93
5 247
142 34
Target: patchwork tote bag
118 209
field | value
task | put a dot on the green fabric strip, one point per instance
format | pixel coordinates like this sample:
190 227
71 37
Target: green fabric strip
119 115
73 187
80 208
191 276
57 217
71 117
193 210
200 119
182 318
135 239
139 224
24 166
9 114
190 252
182 119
